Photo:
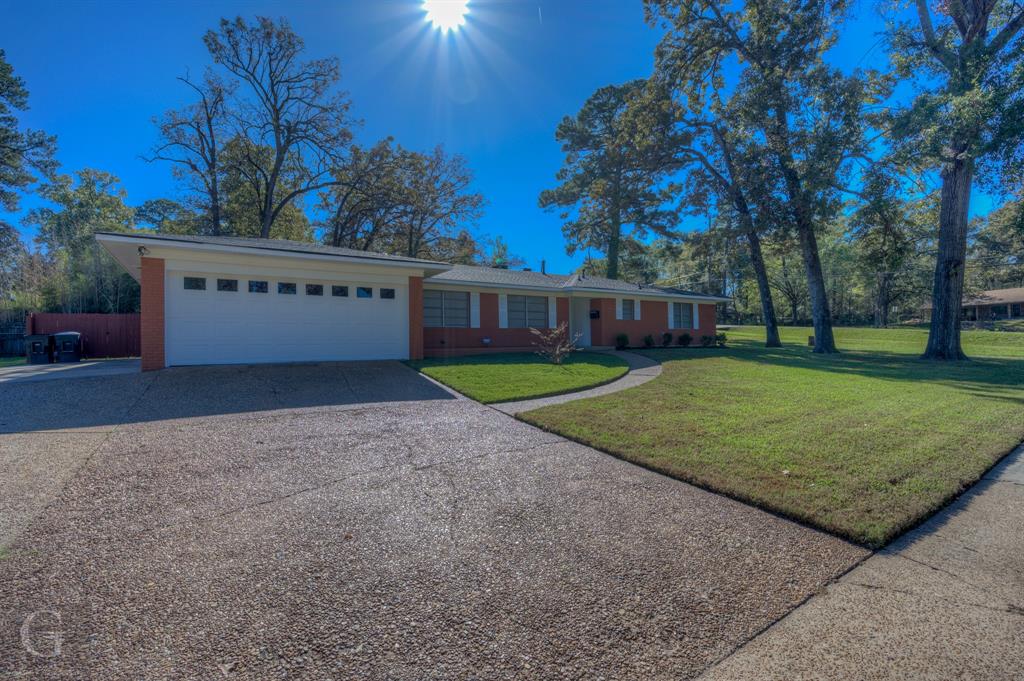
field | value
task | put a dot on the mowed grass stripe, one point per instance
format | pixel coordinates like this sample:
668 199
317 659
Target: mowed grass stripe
864 444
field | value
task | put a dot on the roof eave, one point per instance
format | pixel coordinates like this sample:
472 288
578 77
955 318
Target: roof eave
573 289
428 267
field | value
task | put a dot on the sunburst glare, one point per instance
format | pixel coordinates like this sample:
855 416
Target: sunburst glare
446 15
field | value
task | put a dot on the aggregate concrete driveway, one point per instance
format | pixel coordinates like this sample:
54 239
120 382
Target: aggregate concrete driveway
356 521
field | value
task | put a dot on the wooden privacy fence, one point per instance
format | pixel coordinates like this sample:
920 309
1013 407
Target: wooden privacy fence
103 335
12 333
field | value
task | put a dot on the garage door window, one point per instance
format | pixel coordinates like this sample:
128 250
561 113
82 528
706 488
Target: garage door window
527 311
387 293
257 286
227 284
314 289
446 309
285 288
195 284
364 292
339 291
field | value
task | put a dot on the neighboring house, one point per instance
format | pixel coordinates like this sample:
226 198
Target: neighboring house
1000 303
228 300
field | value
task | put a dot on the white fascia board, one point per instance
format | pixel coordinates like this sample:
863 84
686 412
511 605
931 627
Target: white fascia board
486 286
158 247
646 295
571 291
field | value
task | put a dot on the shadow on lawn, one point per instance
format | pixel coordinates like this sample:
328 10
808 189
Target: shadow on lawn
990 377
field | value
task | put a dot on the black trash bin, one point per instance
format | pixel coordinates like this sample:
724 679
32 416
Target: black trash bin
67 346
39 349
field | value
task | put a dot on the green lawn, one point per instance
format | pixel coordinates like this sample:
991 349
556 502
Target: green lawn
520 376
11 361
1010 325
864 444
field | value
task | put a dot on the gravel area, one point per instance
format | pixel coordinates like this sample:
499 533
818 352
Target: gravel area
356 521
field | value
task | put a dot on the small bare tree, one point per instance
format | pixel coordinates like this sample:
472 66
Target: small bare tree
555 344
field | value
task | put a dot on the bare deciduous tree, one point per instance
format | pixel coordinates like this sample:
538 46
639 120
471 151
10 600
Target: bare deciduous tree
191 140
289 108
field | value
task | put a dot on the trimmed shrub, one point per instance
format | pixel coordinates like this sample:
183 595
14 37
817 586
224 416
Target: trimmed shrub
707 341
684 339
621 341
666 339
648 341
720 339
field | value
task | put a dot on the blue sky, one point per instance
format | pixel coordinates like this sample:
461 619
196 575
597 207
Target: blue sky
98 72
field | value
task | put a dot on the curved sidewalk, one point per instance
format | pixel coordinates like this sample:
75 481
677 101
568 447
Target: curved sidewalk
641 370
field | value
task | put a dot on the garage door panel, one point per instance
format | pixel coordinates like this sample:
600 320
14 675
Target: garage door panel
239 327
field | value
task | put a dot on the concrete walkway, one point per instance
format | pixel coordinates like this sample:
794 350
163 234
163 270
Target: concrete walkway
641 370
945 601
85 369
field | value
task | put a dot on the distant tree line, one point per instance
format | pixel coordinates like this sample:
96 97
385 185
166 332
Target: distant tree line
267 141
830 197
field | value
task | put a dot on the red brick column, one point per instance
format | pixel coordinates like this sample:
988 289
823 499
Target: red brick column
415 317
562 311
152 314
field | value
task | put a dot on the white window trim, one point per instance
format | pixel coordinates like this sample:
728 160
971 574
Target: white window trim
474 310
618 308
552 312
502 310
636 309
696 315
671 315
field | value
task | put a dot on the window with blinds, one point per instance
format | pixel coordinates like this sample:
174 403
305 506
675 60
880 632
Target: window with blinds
527 311
682 314
628 309
446 309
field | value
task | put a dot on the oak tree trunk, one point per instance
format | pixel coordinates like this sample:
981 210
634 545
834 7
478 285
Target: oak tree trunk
883 294
821 315
948 287
771 324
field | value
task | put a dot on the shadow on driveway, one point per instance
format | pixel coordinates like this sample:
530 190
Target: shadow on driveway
183 392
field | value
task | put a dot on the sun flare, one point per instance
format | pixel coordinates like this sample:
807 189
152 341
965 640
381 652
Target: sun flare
446 15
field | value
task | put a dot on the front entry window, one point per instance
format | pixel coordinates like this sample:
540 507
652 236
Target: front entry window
446 309
527 312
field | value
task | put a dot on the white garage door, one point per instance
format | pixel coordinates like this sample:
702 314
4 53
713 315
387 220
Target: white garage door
282 320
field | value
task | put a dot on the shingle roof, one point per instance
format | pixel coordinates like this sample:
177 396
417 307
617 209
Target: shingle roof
284 245
494 275
453 274
999 296
468 274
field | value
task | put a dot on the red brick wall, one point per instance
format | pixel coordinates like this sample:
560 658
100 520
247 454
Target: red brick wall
439 341
415 317
152 304
708 322
653 320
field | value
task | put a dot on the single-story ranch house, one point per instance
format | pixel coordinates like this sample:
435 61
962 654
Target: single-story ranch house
1000 303
229 300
